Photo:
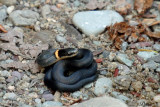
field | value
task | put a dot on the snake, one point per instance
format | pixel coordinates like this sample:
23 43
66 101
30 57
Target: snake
61 61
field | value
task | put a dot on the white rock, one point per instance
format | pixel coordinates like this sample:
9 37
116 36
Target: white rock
10 96
146 55
124 59
94 22
60 39
51 104
101 102
157 98
10 9
102 85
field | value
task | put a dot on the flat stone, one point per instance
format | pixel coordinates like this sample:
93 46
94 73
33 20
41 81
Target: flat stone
155 58
94 22
76 94
146 55
10 96
51 104
10 9
158 69
45 10
17 74
104 101
123 58
3 13
88 85
156 47
23 17
157 98
5 73
123 69
48 97
8 2
123 82
120 96
102 85
151 65
60 39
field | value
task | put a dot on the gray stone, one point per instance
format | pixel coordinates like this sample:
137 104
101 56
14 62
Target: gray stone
123 82
88 85
51 104
98 43
17 74
94 22
10 9
76 94
76 3
106 53
24 17
5 73
10 96
102 85
3 13
8 2
124 46
123 58
60 39
151 65
103 72
155 58
120 96
104 101
45 10
48 97
158 69
123 69
146 55
156 47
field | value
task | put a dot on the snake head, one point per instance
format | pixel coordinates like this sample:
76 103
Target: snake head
67 52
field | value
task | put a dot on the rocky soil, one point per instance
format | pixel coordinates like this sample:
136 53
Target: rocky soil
124 36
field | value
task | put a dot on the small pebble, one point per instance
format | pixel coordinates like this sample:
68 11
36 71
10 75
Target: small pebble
124 59
137 85
51 104
146 55
151 65
102 85
77 94
60 39
48 97
88 85
157 98
11 88
10 9
10 96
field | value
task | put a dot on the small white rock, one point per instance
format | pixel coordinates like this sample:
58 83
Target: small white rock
10 9
157 98
60 39
11 88
10 96
94 22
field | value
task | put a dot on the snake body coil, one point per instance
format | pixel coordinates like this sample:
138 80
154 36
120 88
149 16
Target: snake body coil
82 65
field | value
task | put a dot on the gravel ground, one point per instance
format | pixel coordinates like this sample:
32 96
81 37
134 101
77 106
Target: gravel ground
130 74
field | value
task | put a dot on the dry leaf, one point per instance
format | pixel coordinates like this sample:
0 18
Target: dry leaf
142 5
122 6
150 22
3 29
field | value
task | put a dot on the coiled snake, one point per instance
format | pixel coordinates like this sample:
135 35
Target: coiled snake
61 62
